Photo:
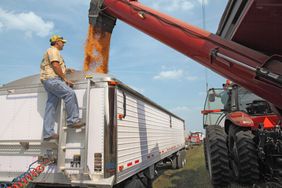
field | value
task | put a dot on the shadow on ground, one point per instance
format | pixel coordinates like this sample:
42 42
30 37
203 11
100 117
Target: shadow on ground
193 175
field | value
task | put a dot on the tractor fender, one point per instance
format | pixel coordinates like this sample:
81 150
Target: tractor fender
240 119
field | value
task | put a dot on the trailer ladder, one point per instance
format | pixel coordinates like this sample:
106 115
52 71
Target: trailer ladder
63 133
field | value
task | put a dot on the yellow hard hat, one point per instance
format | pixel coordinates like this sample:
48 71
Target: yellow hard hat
56 38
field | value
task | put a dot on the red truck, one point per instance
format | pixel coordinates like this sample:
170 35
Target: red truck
195 138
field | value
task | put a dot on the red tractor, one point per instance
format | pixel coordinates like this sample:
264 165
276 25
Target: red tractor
243 137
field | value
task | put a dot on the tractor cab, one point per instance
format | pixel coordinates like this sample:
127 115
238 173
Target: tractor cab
238 122
221 102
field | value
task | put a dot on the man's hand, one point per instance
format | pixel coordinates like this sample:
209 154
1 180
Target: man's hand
69 83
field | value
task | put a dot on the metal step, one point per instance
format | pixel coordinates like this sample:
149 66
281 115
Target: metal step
72 147
68 128
70 168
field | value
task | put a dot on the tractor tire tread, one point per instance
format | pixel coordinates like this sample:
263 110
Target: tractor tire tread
218 152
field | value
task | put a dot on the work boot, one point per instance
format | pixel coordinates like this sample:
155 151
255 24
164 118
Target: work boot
77 125
53 137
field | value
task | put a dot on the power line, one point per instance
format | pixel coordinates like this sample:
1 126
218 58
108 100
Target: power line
204 27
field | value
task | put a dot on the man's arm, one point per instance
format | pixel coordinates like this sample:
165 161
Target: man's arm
58 70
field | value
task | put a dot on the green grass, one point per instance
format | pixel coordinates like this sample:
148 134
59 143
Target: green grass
194 174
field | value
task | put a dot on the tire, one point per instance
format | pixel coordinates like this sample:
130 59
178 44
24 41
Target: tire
134 182
174 162
181 159
233 130
217 156
244 161
205 153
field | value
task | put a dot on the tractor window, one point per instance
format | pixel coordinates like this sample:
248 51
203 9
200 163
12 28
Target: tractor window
251 103
219 99
214 103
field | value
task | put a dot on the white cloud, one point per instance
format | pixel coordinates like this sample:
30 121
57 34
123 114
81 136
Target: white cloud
29 23
174 74
173 5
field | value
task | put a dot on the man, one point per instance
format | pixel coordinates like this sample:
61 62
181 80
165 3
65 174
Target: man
225 94
53 77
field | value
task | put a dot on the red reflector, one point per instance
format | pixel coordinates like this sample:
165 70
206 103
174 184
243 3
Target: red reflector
120 116
113 83
129 164
137 161
267 123
120 168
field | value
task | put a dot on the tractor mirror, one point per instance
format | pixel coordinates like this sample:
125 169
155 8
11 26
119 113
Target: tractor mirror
211 97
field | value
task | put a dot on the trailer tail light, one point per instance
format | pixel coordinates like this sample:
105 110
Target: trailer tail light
113 83
98 162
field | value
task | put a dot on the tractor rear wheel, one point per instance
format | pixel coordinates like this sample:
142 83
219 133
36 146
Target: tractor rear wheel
244 161
205 153
217 156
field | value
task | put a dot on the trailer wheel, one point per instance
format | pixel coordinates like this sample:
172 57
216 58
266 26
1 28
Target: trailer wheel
135 182
181 159
174 162
217 156
244 158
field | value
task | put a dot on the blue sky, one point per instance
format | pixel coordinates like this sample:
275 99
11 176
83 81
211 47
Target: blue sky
162 74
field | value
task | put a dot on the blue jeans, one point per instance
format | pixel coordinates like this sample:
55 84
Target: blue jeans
57 89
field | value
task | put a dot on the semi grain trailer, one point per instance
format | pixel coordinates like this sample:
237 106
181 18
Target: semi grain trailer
126 135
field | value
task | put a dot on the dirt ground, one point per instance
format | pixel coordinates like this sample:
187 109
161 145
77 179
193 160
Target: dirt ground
193 175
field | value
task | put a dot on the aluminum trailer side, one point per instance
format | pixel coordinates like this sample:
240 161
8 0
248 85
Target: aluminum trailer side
125 134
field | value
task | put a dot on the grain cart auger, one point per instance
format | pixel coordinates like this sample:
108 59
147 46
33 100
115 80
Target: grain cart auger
247 134
251 69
